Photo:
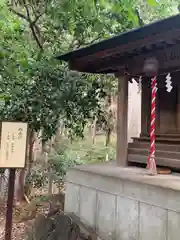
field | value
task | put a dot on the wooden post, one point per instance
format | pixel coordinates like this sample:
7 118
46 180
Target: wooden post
122 121
9 212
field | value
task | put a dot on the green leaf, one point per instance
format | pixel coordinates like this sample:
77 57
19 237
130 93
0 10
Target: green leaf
152 3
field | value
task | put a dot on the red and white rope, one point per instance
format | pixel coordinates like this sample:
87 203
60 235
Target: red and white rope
151 165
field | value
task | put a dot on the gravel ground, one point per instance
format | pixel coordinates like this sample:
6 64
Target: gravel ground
18 229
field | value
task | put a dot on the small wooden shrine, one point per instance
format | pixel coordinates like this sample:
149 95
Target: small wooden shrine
124 55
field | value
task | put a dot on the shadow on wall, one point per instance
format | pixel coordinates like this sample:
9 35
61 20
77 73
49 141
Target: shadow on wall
134 111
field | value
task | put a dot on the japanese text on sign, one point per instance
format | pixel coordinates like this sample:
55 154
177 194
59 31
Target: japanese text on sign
13 145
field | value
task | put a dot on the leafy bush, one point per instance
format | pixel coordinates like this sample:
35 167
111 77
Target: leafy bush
68 155
61 161
37 178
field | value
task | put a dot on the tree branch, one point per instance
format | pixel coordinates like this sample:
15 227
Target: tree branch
19 14
178 7
37 17
25 18
35 36
32 24
140 20
94 40
27 10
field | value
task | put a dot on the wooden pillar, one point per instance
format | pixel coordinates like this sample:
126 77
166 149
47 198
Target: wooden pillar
122 121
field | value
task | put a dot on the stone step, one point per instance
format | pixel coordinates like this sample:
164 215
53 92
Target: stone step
158 139
166 162
167 135
159 146
161 154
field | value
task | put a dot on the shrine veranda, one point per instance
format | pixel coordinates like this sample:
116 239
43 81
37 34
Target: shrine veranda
123 202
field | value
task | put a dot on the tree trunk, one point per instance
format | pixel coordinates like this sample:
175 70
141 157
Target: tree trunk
50 180
20 185
43 148
58 136
108 136
50 172
30 155
109 119
89 129
94 130
22 174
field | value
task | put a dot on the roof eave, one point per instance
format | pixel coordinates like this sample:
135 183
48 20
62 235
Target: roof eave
130 36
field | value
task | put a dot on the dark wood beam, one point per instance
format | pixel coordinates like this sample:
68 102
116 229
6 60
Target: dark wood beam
168 58
169 37
122 52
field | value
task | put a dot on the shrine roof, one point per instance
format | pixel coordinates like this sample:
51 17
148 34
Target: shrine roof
128 50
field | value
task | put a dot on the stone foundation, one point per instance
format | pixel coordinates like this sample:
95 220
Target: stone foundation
125 203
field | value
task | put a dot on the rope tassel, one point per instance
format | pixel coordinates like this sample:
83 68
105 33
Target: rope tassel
151 164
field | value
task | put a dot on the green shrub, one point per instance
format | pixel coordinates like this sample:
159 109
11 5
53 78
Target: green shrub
61 162
67 155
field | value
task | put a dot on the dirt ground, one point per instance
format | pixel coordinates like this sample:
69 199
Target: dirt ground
18 230
24 214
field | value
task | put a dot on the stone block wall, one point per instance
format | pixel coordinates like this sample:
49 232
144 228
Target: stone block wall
122 209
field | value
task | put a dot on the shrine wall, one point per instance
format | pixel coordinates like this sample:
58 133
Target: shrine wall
134 111
124 203
167 109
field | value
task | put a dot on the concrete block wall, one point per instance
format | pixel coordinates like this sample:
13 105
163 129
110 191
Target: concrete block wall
121 209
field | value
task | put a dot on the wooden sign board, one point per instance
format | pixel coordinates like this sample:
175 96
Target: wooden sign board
13 144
